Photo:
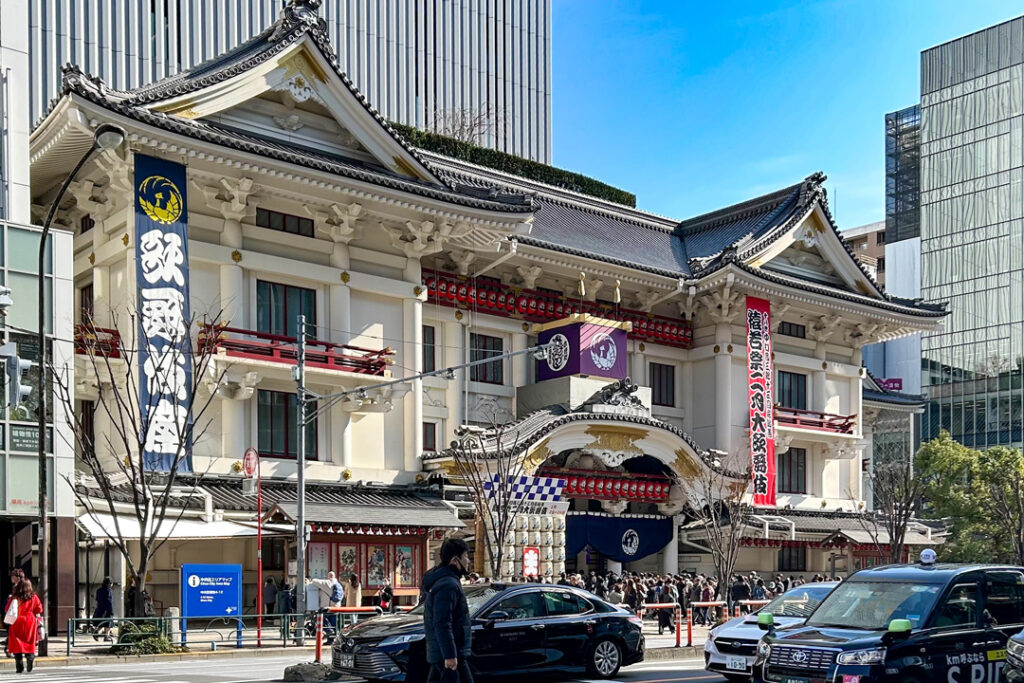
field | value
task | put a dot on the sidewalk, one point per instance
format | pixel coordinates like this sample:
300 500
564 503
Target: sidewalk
87 651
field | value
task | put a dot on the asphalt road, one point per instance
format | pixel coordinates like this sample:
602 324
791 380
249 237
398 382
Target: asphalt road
268 669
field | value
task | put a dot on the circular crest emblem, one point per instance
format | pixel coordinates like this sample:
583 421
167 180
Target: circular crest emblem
630 542
193 580
160 199
799 657
250 462
558 352
603 351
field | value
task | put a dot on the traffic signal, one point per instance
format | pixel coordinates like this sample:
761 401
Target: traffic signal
17 390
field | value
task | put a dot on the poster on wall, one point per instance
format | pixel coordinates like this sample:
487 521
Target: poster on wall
376 564
761 401
348 561
165 356
405 566
319 560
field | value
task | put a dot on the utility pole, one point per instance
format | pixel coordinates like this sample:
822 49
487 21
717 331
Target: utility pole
300 523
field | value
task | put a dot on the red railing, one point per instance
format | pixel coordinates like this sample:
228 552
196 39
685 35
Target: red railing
811 419
495 298
98 340
279 348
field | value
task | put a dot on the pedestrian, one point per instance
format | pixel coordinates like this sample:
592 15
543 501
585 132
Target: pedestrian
758 592
446 616
23 633
269 595
386 596
104 609
615 596
354 594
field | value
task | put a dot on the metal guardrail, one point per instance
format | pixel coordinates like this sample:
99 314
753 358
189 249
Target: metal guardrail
81 631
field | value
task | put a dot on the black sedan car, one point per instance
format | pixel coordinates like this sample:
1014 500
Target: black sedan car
516 628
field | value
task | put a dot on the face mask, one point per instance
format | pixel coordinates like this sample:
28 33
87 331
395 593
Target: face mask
459 569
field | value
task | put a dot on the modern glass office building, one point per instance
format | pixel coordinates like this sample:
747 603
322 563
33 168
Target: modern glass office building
972 234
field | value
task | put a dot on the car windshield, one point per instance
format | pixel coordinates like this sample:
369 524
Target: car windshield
871 605
476 597
799 601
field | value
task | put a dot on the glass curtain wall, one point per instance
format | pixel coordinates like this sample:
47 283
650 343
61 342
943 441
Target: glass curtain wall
972 169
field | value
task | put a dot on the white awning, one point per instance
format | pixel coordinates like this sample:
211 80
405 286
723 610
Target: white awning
101 525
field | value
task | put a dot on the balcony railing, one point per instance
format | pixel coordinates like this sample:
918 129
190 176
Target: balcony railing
494 298
812 419
98 340
254 345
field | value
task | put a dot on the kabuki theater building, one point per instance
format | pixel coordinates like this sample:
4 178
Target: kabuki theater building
740 332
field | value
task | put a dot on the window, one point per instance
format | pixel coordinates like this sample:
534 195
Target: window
559 603
482 347
793 330
279 306
792 471
86 224
1004 603
792 390
285 222
429 436
960 608
85 305
881 265
663 384
88 427
521 606
793 559
880 237
277 430
429 349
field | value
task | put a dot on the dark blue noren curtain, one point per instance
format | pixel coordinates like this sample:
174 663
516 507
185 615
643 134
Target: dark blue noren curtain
621 539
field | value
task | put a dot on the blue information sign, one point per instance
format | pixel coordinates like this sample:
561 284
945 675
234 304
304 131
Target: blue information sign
211 590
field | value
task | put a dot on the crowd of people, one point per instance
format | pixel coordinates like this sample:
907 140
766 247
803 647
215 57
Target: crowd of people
635 590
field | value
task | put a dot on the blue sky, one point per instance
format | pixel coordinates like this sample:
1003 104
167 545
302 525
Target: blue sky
697 105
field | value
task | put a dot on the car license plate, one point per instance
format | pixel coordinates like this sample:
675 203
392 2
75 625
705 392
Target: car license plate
736 664
347 661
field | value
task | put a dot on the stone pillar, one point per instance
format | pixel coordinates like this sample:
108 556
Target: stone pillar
520 364
412 358
341 296
454 354
670 554
638 365
819 398
232 296
101 296
723 387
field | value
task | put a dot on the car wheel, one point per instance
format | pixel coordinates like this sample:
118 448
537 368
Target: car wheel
605 659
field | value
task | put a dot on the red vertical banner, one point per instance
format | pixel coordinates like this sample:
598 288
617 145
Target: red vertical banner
761 401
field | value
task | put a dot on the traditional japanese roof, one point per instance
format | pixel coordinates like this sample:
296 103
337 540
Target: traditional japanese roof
429 516
582 226
873 392
298 21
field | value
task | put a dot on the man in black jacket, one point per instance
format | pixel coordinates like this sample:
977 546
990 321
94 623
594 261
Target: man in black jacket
446 616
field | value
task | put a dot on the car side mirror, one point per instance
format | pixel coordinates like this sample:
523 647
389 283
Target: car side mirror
899 629
765 621
497 616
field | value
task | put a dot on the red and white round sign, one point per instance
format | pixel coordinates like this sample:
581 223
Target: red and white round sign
250 462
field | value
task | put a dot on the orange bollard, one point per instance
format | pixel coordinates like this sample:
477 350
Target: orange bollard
689 627
679 625
736 612
319 637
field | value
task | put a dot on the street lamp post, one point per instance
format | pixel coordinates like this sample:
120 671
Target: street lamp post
106 136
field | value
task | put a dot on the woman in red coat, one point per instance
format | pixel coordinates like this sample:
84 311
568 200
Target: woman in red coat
22 634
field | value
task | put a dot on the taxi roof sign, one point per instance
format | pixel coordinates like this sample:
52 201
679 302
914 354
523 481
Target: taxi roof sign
927 556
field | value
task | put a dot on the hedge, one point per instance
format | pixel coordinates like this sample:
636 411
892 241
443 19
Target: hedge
518 166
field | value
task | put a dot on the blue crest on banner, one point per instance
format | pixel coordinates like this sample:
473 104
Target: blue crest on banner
164 339
622 539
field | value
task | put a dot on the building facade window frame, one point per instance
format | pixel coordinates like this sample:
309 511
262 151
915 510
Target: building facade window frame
792 559
430 430
792 389
481 347
429 348
663 384
276 412
287 223
792 330
293 299
792 471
